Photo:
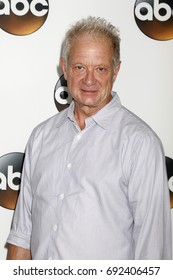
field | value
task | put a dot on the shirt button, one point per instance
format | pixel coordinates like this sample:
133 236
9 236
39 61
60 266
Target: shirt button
78 137
61 196
55 227
69 165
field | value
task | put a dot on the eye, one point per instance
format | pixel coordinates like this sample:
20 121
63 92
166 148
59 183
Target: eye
101 70
79 68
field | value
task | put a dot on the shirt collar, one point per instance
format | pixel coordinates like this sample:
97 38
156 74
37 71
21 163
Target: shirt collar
102 117
70 113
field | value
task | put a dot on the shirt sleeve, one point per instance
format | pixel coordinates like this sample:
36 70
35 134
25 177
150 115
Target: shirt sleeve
20 233
149 199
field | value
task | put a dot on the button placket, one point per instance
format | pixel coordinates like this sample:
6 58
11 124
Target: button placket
74 143
61 197
69 165
79 137
55 227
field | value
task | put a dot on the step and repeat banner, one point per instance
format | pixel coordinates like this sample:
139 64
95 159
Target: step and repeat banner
32 87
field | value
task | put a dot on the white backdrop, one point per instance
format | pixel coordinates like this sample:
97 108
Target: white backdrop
28 75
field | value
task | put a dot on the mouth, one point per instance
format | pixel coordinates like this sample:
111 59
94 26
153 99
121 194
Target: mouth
89 91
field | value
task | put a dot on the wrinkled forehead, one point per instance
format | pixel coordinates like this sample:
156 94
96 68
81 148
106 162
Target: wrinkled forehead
89 39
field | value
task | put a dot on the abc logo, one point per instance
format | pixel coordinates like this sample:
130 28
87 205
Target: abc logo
169 167
62 96
23 17
155 18
10 175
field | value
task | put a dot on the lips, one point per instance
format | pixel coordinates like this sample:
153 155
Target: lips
89 91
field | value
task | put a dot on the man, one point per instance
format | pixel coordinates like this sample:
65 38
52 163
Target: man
94 184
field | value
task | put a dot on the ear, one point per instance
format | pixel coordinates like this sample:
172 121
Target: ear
116 71
64 67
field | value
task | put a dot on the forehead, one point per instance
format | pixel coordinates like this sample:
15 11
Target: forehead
86 46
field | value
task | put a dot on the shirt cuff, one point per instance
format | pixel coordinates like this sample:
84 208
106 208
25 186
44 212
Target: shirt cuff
19 239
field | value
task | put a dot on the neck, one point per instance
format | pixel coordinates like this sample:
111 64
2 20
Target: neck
81 113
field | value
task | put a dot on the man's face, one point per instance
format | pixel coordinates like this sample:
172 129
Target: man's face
90 72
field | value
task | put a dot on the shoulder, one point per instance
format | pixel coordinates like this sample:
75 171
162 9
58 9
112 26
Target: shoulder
49 125
133 132
142 142
133 125
140 145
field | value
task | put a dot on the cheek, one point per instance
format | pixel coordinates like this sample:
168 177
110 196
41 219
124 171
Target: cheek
75 81
105 83
73 84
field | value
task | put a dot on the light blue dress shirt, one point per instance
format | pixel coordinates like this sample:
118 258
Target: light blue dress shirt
96 193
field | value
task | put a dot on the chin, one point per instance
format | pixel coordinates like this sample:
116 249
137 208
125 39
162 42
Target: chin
89 103
89 99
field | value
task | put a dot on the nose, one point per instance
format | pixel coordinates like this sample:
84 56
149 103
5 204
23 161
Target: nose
89 78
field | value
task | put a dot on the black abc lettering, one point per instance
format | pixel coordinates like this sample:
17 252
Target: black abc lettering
22 7
31 13
62 96
145 11
10 178
155 18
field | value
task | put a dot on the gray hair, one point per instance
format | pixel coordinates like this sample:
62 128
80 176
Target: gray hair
95 27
